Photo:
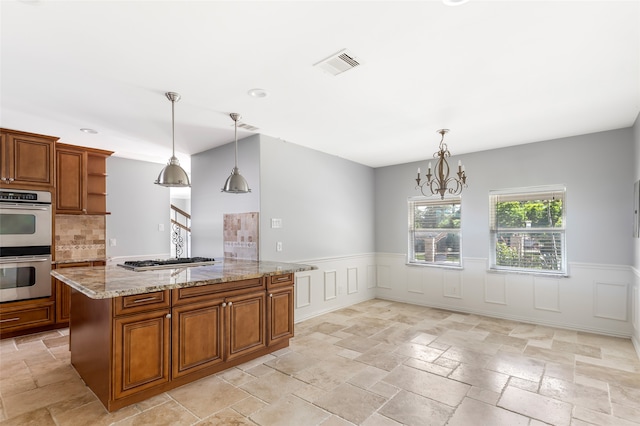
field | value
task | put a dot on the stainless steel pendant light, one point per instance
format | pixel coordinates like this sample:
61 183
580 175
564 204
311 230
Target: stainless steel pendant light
236 184
173 174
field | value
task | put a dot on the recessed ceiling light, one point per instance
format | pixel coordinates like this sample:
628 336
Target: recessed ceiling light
90 131
258 93
454 2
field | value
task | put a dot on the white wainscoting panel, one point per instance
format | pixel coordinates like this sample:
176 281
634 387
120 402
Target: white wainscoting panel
495 288
565 302
415 280
330 285
352 280
635 310
610 300
546 294
593 298
303 290
371 276
334 285
384 276
452 284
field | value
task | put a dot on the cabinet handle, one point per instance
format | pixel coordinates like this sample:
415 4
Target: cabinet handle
168 315
224 304
146 299
3 179
230 303
10 319
11 179
270 294
285 278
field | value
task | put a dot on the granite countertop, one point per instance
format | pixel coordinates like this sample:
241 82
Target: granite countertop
104 282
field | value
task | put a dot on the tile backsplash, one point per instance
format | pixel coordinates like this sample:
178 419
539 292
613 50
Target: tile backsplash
80 237
241 233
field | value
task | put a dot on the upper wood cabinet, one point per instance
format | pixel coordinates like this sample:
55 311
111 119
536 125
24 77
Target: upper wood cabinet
81 180
26 160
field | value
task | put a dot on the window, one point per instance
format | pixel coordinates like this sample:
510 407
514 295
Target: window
434 232
527 228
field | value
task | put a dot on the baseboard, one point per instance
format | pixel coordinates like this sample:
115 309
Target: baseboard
636 344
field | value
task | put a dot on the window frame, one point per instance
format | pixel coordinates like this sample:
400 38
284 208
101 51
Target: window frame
527 194
412 202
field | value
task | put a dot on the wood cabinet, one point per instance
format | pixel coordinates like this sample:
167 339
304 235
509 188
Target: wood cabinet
26 160
62 291
15 317
130 348
279 308
216 324
245 325
197 330
81 180
141 352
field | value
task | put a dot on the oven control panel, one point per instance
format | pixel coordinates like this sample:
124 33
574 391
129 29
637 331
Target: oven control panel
25 196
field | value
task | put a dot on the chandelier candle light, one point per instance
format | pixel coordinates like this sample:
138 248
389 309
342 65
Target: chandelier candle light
439 183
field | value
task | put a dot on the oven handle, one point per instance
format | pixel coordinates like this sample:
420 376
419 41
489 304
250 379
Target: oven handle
31 260
25 207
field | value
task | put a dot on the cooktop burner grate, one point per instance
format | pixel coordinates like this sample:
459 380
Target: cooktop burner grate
138 265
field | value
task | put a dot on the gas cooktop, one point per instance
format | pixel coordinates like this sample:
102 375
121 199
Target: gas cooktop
145 265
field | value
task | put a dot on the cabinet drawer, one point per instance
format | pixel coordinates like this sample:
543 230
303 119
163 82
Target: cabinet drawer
205 292
27 316
279 280
141 302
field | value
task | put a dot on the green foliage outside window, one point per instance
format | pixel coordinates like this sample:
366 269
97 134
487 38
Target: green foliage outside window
529 233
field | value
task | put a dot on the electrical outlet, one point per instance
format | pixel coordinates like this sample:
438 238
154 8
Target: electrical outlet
276 223
279 246
112 242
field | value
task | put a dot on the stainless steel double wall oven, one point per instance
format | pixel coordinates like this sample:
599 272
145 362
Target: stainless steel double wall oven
25 244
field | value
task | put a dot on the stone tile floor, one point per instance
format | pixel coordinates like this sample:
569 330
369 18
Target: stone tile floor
374 363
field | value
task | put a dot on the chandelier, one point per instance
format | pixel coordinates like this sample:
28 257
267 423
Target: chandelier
439 183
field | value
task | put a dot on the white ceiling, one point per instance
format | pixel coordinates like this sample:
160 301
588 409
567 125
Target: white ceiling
497 73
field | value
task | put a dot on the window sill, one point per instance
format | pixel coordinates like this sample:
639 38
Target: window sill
435 265
534 273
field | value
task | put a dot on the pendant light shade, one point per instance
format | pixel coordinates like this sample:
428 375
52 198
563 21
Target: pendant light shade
236 184
173 174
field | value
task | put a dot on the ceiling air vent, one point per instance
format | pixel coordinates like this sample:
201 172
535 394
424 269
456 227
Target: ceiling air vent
338 62
248 127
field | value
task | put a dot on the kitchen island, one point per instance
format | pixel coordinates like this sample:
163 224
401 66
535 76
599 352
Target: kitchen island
134 335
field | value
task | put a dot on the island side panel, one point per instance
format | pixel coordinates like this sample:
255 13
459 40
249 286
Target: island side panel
90 332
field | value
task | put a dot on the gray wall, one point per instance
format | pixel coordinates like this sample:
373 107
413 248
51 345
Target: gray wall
137 207
326 203
210 170
595 168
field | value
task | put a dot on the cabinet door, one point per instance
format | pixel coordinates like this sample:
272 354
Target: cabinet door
245 325
197 334
280 315
29 160
141 352
70 181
